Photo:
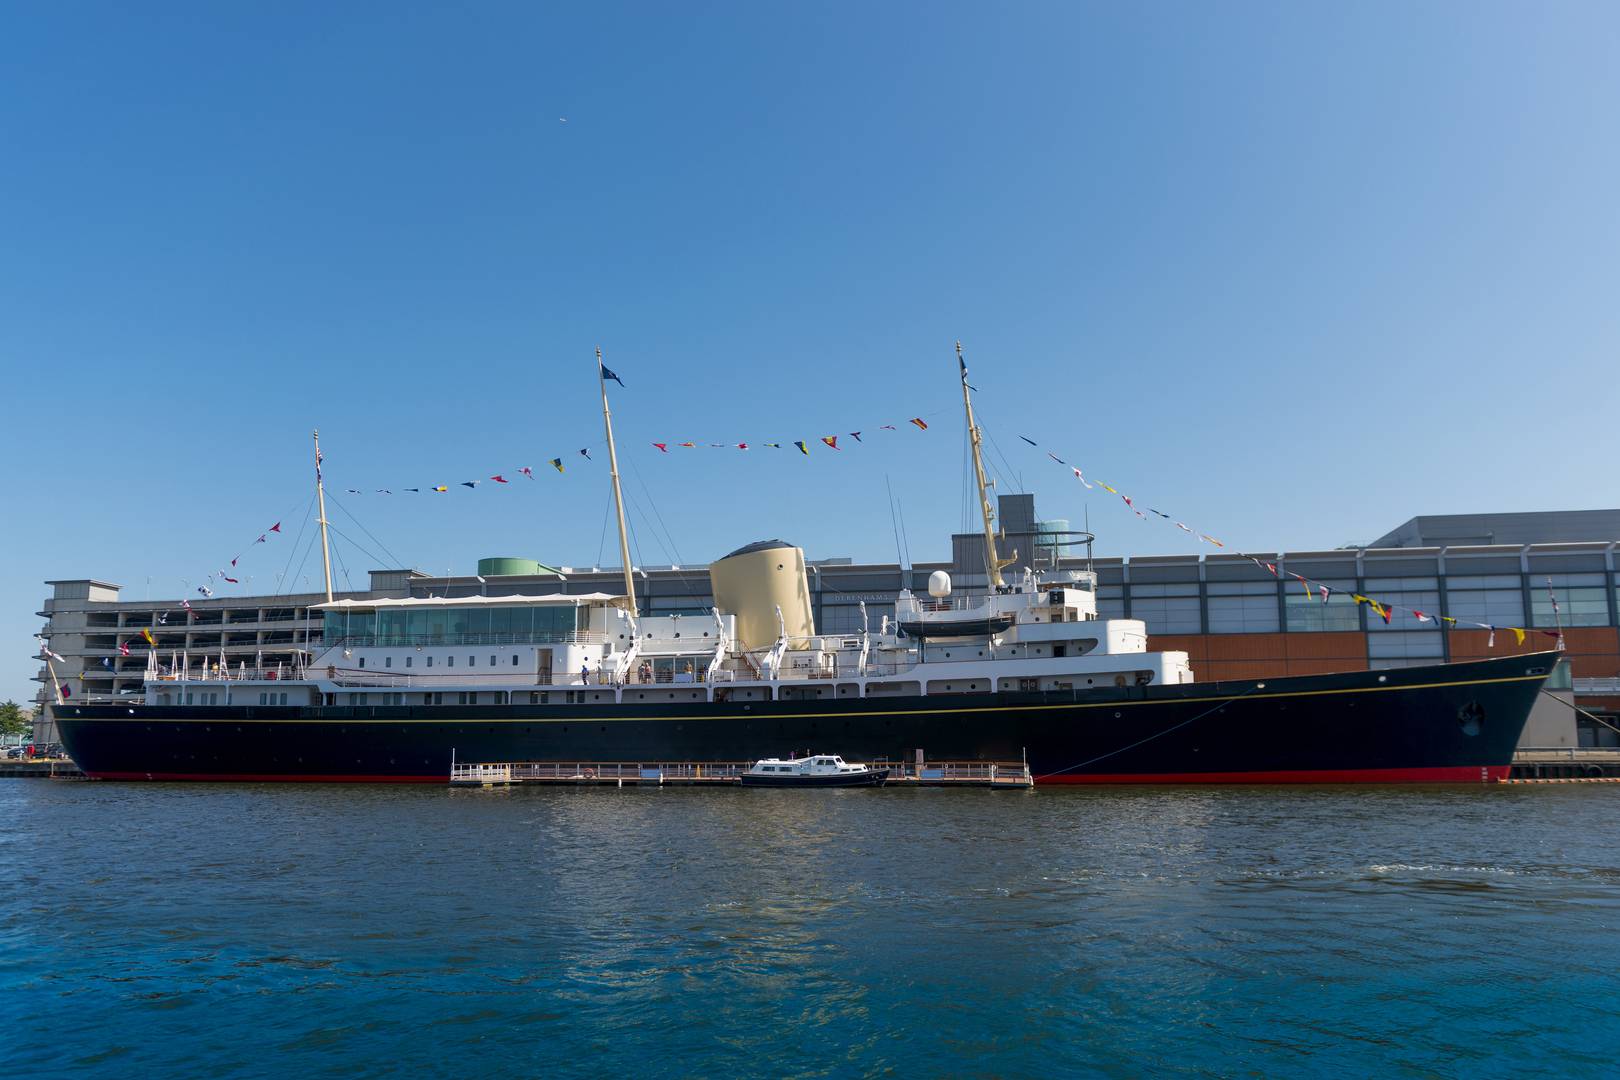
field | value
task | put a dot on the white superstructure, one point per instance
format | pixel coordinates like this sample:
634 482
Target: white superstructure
1039 633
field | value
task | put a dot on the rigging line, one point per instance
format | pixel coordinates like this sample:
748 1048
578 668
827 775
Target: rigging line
601 541
297 573
1012 473
367 552
865 428
342 566
1577 708
969 505
904 534
894 523
674 560
1161 734
399 563
656 512
302 525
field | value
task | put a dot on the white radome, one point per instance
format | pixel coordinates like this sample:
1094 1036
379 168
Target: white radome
939 584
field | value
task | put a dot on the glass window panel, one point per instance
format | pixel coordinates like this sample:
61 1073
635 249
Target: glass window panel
1242 588
1243 614
1576 607
1374 586
477 623
391 626
437 623
1494 607
1563 579
1482 581
334 626
1177 589
458 621
362 624
840 619
500 623
1404 602
415 623
1306 613
1168 615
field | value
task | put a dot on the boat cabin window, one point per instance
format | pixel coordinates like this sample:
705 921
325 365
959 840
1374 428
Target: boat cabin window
362 661
434 625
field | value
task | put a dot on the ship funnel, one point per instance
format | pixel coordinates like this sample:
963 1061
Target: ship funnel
753 582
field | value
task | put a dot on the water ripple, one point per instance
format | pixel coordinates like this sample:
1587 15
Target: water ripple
254 930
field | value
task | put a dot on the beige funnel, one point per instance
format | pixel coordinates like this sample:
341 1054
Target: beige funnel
753 581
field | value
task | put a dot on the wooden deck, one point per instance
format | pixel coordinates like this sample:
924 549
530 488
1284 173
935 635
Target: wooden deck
978 774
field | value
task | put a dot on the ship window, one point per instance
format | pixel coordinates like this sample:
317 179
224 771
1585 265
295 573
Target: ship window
430 661
408 660
449 661
514 659
283 699
388 661
472 661
492 661
362 661
263 698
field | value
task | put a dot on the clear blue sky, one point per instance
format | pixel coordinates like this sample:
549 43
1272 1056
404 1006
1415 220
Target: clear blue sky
1294 272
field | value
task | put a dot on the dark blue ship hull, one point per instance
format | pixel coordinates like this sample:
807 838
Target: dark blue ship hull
1451 723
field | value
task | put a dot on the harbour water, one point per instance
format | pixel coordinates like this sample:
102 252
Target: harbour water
239 930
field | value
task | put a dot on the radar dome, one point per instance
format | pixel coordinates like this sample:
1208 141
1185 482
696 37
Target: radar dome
939 584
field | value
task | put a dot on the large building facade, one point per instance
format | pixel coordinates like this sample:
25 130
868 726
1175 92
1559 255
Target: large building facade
1233 618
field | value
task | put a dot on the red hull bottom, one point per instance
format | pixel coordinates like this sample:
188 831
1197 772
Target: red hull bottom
1451 774
1448 774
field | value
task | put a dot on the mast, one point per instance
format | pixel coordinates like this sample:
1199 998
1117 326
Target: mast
320 496
992 563
618 496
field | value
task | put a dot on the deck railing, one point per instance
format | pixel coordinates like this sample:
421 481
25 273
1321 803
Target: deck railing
966 772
